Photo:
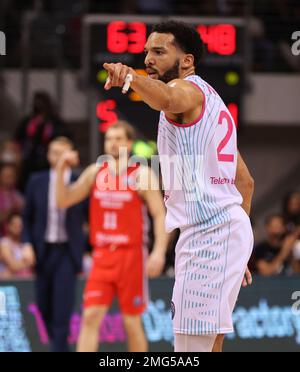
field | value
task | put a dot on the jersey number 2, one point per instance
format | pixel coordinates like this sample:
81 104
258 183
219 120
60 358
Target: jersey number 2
228 158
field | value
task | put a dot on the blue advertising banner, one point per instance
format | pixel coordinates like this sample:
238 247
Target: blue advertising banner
266 318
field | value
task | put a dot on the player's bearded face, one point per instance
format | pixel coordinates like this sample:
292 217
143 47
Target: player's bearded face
171 74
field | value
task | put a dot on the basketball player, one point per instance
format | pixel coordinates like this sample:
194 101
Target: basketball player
119 195
212 205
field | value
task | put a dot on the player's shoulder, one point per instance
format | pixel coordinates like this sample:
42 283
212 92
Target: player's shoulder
191 84
182 83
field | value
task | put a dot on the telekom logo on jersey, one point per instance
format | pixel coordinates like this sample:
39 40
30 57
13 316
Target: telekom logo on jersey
2 44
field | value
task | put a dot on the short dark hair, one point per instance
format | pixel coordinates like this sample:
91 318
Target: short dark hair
186 38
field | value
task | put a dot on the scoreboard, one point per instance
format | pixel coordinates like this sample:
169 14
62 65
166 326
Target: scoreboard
118 38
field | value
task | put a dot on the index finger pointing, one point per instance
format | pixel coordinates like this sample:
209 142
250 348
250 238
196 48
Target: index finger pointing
109 67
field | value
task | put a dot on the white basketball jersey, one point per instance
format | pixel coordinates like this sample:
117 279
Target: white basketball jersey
198 163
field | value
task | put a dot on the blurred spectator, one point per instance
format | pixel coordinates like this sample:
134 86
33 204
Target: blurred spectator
10 199
153 6
16 259
190 7
274 255
9 109
280 19
291 210
96 6
57 238
35 133
10 153
263 49
296 257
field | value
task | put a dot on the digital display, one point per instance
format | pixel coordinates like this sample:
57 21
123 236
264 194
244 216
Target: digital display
122 39
219 39
131 37
107 113
126 38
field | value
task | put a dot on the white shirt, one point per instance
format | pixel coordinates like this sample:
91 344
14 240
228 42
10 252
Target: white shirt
56 225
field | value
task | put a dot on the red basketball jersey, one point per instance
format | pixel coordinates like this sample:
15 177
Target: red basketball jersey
118 215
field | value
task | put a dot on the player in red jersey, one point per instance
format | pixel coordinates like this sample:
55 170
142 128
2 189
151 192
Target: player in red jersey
119 200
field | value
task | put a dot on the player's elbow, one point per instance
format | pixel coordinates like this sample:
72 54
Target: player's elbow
163 105
158 106
166 101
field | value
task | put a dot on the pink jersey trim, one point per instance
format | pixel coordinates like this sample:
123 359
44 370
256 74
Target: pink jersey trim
200 116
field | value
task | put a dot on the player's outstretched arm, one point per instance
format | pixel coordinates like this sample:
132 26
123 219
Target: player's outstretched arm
176 97
245 184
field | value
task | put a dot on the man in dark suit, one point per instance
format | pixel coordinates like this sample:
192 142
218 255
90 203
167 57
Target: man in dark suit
58 241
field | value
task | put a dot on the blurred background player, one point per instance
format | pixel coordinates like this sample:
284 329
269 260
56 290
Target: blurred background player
35 132
58 241
120 195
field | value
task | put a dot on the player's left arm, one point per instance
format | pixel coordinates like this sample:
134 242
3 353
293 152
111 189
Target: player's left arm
177 97
150 192
245 184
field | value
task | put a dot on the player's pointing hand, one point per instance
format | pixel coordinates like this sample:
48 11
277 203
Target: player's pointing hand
117 73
